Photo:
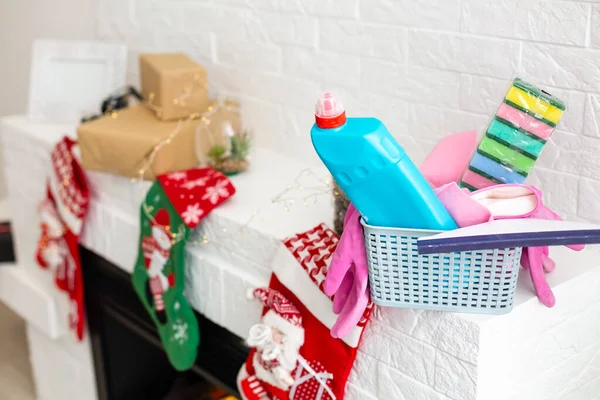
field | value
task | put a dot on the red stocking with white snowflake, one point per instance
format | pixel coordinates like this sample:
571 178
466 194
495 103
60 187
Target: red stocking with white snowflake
293 355
62 214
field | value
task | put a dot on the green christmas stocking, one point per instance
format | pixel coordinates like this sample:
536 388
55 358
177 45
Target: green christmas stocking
175 204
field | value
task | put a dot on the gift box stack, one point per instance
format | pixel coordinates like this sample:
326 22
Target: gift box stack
172 130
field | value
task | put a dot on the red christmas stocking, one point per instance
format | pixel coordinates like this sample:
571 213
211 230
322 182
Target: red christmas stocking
62 214
294 356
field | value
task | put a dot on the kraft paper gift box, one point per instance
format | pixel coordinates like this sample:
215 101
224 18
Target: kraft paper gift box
123 145
173 84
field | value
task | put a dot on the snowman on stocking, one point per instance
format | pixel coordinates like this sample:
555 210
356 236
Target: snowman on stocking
156 249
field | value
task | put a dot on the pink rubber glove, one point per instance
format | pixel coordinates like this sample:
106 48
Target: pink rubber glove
535 259
538 261
348 278
547 263
506 202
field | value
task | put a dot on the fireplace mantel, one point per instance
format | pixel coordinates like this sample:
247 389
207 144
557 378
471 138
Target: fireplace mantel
533 351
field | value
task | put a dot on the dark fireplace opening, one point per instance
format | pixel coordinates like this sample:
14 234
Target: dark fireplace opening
128 357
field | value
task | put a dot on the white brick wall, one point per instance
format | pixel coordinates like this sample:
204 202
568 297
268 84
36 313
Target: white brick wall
427 68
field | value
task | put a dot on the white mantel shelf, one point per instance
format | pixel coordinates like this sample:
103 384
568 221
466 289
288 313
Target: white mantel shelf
531 353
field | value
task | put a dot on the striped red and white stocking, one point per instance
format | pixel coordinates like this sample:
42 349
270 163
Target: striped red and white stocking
62 215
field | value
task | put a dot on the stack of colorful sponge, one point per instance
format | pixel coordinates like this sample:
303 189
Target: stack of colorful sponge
515 137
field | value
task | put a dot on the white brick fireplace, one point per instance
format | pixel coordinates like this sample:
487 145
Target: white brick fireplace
531 353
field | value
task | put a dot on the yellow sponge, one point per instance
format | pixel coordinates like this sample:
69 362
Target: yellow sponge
534 105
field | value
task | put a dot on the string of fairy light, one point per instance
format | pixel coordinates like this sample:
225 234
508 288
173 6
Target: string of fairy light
319 187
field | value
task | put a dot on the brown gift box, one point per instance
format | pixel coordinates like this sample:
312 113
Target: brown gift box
122 145
173 84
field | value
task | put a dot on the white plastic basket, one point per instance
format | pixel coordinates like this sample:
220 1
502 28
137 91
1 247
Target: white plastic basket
482 281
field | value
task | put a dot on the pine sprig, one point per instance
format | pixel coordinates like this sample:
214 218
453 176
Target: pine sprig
217 153
240 145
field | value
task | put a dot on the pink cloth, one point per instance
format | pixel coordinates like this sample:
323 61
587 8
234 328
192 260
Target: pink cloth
449 158
348 276
463 209
525 121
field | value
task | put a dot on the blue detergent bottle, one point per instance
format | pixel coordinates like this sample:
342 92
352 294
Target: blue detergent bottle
374 171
